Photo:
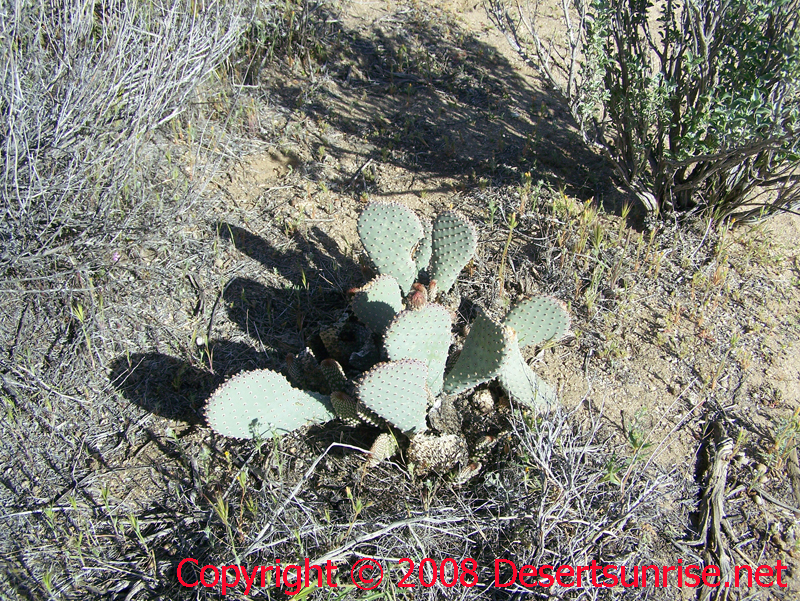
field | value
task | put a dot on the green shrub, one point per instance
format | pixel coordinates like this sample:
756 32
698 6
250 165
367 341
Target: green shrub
695 103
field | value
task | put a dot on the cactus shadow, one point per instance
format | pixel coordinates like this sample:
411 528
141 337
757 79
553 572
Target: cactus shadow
315 254
176 389
306 287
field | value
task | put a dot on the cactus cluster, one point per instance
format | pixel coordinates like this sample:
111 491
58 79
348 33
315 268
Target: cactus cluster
399 369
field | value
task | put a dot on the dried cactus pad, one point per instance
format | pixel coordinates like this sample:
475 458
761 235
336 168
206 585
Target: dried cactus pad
378 302
396 392
487 346
263 402
453 244
383 448
437 453
390 232
537 320
422 334
523 385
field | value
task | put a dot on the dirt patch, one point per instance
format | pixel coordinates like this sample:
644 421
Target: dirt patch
249 178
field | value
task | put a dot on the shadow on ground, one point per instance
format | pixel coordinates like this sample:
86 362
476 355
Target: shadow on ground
175 389
432 98
282 318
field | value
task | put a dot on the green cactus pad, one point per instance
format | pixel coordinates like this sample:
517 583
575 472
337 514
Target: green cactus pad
537 320
422 257
345 408
378 302
523 385
487 346
453 244
390 232
396 392
333 374
422 334
263 402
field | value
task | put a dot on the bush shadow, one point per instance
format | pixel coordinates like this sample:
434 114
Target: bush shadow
433 98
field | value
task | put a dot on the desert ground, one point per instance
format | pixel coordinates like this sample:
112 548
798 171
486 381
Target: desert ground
684 338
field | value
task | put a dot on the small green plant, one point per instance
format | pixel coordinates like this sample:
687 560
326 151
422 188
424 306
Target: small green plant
611 470
79 313
785 439
492 212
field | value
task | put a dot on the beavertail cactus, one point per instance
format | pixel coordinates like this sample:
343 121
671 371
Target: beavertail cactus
533 321
486 348
400 322
396 392
390 233
378 302
263 403
537 320
422 334
453 242
523 385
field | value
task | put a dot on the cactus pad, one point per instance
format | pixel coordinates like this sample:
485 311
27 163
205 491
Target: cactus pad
396 392
538 319
453 243
383 448
487 346
422 334
304 371
346 408
523 385
422 256
263 402
333 374
378 302
390 232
